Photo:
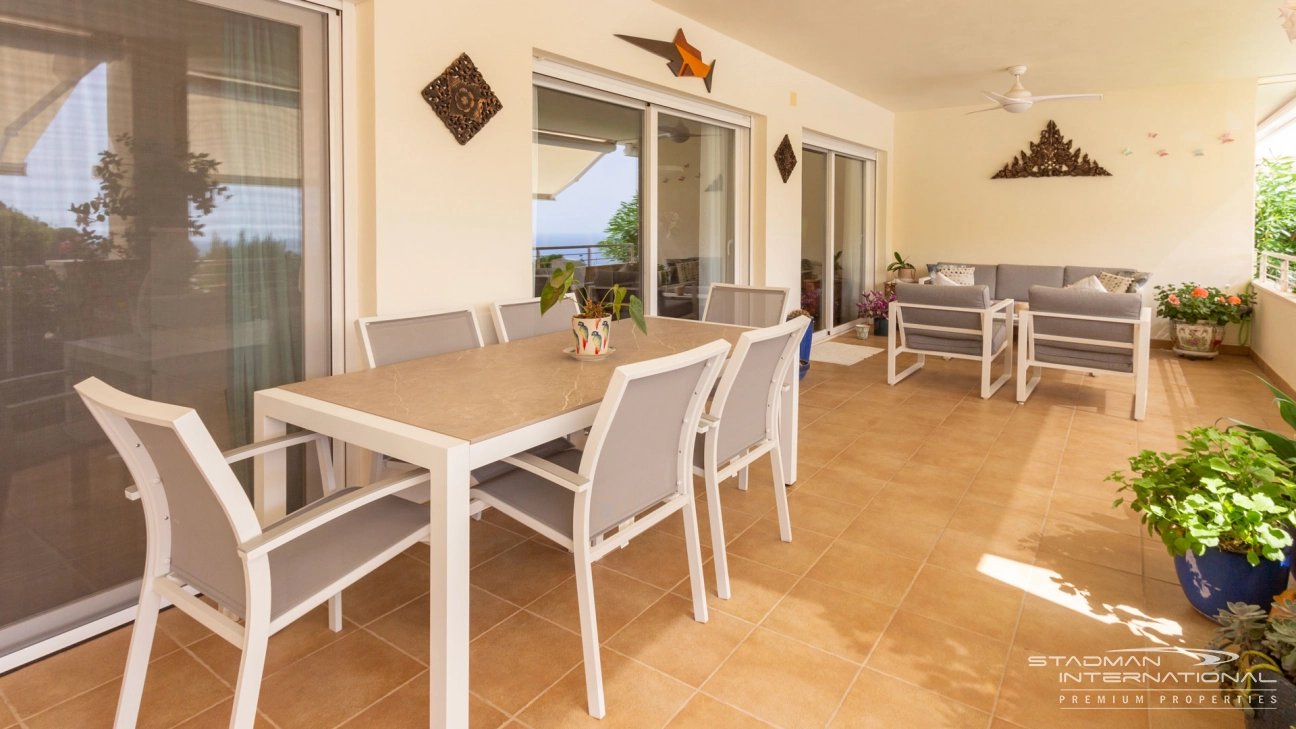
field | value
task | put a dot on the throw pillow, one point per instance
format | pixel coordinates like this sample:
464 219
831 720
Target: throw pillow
940 279
1137 276
1089 283
960 275
1115 284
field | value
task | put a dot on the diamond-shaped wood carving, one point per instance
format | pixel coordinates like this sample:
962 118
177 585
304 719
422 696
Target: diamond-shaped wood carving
1052 156
462 99
785 158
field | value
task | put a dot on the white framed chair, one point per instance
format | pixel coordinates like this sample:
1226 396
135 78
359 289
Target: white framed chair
403 337
746 306
521 318
744 426
635 470
950 321
203 534
1085 331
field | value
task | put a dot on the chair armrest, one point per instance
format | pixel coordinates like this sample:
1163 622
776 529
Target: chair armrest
1144 318
925 280
293 527
967 309
262 447
1006 303
549 471
707 423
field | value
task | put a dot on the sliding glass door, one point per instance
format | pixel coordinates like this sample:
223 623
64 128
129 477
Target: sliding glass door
638 194
837 245
164 227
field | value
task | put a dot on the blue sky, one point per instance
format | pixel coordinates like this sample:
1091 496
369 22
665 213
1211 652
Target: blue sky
581 212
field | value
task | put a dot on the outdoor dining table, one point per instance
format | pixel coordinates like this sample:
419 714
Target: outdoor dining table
456 412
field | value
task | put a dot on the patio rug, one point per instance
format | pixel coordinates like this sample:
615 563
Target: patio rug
842 354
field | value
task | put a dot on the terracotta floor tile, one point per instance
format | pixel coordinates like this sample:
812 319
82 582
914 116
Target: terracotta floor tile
183 629
1030 699
953 662
911 503
512 664
996 522
177 687
1040 474
504 521
880 531
877 466
1172 619
973 554
951 478
218 717
667 638
488 540
654 557
757 500
844 486
636 697
834 620
1098 546
1193 718
981 605
618 599
878 701
866 572
408 707
818 514
7 717
335 682
1010 495
407 628
524 573
40 685
735 522
704 712
782 681
1092 512
1157 562
761 543
303 637
385 589
754 588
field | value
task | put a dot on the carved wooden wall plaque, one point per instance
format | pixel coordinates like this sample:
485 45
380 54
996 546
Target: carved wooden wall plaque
785 158
1052 156
462 99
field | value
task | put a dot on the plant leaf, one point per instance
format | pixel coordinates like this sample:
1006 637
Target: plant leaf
637 314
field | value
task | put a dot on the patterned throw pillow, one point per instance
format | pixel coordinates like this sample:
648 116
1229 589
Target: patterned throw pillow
1115 284
940 279
1089 283
960 275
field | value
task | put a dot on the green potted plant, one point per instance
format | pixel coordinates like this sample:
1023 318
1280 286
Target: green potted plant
592 325
1259 678
1222 506
1198 314
1283 445
903 269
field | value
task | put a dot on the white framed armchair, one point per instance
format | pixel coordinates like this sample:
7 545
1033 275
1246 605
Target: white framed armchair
1085 331
950 321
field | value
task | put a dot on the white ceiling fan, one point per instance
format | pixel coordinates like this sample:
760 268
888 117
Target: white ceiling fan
1018 99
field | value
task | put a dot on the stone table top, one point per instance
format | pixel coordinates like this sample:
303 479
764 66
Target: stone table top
481 393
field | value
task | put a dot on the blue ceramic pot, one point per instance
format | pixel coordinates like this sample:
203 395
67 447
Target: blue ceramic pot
880 327
1216 578
806 341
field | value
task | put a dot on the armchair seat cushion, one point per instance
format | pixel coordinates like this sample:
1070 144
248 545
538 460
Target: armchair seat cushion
1077 356
946 343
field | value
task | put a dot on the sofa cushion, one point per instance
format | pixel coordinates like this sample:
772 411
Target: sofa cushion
960 275
1075 273
1085 303
984 275
1014 282
924 340
1089 283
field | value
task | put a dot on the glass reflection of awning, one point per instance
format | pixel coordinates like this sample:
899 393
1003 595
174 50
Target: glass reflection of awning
562 159
224 110
36 86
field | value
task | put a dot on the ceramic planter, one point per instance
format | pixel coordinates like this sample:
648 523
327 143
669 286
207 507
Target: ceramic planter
1274 709
806 341
880 327
1200 339
1214 579
909 275
862 330
593 336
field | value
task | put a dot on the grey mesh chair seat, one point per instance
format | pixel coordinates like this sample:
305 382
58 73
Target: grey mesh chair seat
304 566
946 342
542 499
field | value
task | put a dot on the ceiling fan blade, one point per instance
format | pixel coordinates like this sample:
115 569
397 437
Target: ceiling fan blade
1066 97
999 99
978 111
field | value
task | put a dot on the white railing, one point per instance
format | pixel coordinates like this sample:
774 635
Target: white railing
1278 268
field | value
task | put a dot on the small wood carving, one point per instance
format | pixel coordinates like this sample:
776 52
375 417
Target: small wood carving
785 158
1052 156
462 99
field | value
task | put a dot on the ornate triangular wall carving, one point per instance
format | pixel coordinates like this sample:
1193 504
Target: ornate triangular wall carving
1051 157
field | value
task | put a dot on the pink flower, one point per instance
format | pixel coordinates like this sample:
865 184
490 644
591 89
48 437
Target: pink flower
1174 300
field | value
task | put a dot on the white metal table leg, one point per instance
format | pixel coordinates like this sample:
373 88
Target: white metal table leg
270 488
448 554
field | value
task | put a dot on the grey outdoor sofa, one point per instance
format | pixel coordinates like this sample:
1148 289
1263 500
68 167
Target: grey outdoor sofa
1013 281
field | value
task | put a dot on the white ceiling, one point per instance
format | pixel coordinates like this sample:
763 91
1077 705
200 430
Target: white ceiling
912 54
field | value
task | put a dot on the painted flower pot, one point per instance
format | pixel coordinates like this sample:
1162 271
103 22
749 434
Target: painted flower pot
1214 579
862 331
806 341
880 327
593 336
1273 709
1200 339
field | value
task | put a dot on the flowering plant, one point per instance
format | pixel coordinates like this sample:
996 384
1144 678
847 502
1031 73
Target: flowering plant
1192 303
875 304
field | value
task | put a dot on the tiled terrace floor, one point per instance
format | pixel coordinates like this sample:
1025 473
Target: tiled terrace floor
940 541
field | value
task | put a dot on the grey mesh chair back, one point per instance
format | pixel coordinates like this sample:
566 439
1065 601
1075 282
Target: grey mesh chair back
747 400
640 449
391 339
746 306
522 319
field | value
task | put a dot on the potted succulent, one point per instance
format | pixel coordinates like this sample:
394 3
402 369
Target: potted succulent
1198 314
876 306
806 340
592 324
1259 678
903 269
1223 506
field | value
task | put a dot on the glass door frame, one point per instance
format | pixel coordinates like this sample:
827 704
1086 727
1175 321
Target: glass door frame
561 77
331 308
833 148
